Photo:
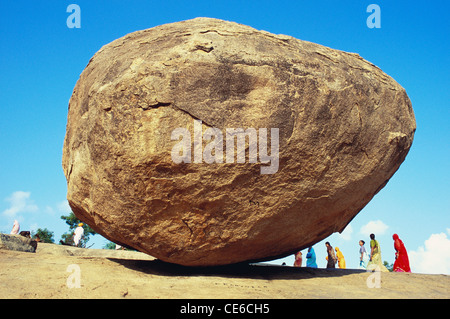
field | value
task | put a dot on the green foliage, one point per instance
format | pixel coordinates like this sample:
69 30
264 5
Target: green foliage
389 266
110 245
67 239
45 235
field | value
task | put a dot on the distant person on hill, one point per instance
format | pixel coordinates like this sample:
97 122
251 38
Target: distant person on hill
78 234
340 258
311 258
331 258
16 228
401 263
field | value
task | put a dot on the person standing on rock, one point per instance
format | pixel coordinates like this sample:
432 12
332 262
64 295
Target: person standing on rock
340 258
78 234
16 228
331 258
401 263
364 258
375 262
311 258
298 259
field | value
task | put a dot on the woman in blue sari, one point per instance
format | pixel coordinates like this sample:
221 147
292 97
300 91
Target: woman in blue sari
311 258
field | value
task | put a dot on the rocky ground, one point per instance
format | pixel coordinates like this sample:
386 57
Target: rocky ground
54 269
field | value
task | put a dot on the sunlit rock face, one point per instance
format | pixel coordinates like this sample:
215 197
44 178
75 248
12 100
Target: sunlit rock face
154 154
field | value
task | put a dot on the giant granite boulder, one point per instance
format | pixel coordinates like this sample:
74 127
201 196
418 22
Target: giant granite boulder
207 142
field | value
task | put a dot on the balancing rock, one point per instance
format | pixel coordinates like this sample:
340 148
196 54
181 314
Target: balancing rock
206 142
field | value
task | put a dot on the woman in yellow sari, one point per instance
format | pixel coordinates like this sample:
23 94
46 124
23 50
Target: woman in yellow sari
340 258
375 262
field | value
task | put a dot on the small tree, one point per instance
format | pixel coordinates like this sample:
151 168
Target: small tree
73 221
109 245
388 266
45 236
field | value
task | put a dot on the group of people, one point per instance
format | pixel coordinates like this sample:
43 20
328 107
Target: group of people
77 235
310 259
371 261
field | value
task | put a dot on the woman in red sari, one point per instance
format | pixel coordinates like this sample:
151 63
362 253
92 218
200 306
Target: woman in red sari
401 263
298 259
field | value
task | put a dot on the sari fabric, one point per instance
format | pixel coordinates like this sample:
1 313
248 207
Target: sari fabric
311 258
376 263
298 259
340 258
16 228
331 258
401 263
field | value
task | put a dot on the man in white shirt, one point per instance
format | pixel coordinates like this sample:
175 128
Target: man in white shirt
79 232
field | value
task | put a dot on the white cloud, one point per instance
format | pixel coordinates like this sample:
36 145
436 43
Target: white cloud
49 210
20 202
347 233
433 257
63 207
376 227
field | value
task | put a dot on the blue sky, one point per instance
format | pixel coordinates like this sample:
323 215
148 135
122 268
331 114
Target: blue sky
41 60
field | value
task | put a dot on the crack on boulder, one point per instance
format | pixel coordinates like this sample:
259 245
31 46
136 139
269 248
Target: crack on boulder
187 225
193 116
204 48
155 105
